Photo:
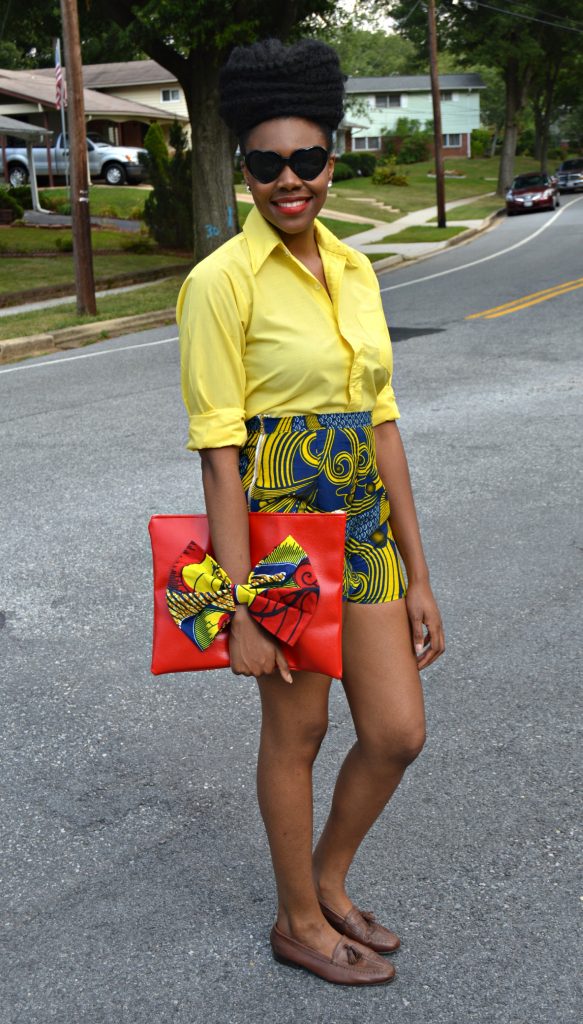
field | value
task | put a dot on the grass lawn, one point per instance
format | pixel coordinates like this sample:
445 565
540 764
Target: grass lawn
35 239
476 211
374 257
33 272
480 177
122 201
422 233
156 295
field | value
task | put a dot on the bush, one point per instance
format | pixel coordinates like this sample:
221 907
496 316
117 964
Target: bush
342 172
386 173
362 164
409 141
168 208
141 243
136 213
22 195
64 243
58 204
481 141
8 203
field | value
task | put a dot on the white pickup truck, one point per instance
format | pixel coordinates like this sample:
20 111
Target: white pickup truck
115 164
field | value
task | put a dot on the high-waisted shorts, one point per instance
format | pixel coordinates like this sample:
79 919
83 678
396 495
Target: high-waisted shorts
324 463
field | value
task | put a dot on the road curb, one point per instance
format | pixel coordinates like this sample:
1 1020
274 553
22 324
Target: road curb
391 262
73 337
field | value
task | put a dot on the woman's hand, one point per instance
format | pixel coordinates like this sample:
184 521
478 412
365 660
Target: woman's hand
422 609
252 652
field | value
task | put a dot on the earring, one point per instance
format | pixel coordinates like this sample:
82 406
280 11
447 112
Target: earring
330 183
248 187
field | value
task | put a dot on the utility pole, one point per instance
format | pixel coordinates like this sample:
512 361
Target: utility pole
437 134
82 254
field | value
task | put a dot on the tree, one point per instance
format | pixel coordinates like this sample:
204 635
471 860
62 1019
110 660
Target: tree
192 41
366 53
517 40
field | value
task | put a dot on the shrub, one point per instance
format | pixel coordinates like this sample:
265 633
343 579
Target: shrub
136 213
342 172
480 142
408 141
22 195
386 173
10 204
64 243
362 164
168 208
141 243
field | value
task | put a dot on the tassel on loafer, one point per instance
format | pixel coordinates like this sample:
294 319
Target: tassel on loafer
362 926
350 963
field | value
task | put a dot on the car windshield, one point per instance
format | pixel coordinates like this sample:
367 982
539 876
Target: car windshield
572 165
529 181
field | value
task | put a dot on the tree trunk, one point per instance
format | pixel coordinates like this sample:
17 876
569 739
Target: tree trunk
515 99
213 196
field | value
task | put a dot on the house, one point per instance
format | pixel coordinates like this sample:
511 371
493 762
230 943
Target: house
123 120
376 104
123 98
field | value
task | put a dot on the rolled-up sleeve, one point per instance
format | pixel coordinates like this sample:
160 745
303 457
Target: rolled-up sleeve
212 345
386 406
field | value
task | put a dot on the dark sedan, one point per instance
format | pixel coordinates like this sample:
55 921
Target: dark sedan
530 192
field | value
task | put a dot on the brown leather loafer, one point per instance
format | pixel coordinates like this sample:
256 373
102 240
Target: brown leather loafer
363 926
350 963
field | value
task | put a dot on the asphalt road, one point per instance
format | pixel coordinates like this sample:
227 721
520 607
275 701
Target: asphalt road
136 880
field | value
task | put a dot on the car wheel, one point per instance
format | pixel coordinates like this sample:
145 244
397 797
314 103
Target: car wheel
18 175
114 174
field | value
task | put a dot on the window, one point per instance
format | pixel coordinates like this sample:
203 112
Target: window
373 142
170 95
394 99
446 97
452 141
380 101
360 143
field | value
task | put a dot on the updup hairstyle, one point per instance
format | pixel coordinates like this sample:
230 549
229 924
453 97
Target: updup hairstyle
268 80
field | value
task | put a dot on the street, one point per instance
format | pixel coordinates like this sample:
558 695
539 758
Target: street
137 886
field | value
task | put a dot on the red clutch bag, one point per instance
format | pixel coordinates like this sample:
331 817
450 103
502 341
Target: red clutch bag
294 590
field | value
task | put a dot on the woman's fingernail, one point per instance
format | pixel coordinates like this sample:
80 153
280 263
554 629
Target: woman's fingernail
418 648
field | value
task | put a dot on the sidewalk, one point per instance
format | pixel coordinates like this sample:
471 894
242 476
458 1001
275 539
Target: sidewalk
370 241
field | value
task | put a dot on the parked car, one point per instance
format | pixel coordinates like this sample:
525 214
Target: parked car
116 165
530 192
570 175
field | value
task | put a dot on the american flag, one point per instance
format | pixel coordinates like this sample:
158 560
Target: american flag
61 88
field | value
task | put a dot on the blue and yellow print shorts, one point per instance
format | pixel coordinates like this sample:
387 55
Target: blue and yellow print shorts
323 463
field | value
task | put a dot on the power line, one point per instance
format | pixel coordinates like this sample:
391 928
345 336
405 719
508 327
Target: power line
528 17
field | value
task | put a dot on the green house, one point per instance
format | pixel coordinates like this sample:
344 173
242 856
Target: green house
374 105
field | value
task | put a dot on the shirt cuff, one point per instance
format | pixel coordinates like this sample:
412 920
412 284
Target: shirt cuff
217 429
386 408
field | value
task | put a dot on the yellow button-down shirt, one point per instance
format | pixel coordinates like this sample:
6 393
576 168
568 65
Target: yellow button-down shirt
260 335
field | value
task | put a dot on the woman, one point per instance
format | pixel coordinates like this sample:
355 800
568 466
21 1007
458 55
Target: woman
286 372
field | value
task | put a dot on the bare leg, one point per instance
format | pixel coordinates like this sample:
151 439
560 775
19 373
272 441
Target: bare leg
386 701
294 722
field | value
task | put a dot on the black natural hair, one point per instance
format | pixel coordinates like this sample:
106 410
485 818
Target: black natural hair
268 80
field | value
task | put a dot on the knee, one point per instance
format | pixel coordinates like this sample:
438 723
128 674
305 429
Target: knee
295 742
399 747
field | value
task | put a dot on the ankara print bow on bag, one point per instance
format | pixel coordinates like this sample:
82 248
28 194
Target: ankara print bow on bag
281 593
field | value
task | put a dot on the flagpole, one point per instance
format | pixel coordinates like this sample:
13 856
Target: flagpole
61 104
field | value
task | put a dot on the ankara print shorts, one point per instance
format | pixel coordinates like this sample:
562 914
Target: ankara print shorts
323 463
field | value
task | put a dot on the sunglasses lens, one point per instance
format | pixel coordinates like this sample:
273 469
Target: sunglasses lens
308 163
265 167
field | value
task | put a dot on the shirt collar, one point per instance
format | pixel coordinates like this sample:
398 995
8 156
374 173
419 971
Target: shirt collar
262 239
